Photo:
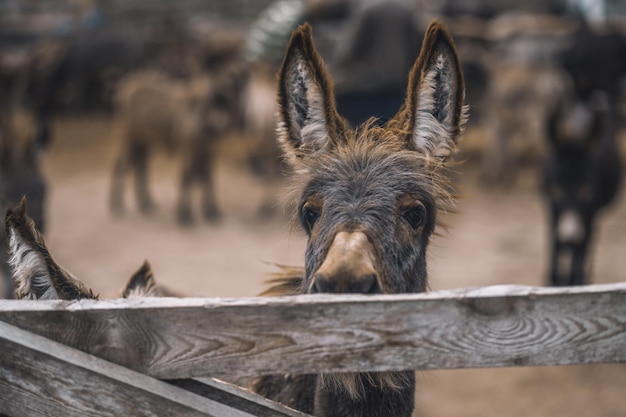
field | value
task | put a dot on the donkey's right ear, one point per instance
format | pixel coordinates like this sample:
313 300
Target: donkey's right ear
434 112
308 119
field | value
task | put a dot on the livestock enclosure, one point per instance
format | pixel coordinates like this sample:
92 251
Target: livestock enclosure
155 356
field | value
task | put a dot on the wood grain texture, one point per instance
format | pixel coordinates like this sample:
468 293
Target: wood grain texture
483 327
39 377
236 397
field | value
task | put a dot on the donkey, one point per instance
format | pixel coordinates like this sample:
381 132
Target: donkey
185 116
21 148
369 199
581 176
520 98
38 277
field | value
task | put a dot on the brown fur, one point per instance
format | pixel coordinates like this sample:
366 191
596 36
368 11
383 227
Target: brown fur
287 281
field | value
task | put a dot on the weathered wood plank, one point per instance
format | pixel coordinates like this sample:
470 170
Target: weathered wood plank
236 397
39 377
484 327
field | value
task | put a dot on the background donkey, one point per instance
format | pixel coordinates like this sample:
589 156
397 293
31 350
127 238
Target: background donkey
581 176
369 200
156 110
582 170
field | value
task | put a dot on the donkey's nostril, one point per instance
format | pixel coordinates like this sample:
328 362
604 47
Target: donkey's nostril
321 283
365 284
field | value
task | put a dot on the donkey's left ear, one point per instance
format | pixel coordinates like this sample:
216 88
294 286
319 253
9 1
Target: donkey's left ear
308 118
141 283
434 111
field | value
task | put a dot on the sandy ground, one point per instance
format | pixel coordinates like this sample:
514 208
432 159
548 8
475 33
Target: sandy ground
498 237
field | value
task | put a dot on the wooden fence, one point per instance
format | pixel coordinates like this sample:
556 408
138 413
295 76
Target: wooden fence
156 356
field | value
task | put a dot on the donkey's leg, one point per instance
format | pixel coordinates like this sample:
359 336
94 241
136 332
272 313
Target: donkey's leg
184 200
116 197
185 216
580 267
139 157
204 168
555 279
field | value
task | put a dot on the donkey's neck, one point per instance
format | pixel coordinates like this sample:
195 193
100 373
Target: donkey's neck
373 401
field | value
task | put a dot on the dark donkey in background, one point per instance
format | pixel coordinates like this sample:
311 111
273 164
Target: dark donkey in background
369 200
582 170
581 176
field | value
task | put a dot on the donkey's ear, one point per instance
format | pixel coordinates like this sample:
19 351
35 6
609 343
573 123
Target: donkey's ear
31 276
35 274
434 112
308 118
141 283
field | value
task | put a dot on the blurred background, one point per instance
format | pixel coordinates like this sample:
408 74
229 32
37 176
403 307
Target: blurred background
143 129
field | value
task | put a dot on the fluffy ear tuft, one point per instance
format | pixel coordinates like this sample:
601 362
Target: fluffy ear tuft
434 110
141 283
35 274
308 117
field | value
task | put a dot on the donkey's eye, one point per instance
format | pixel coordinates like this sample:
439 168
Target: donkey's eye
415 216
310 216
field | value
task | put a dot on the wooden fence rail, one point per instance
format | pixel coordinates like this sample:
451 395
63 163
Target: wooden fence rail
170 338
40 377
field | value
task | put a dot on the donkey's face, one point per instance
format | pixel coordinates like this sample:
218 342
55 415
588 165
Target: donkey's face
369 198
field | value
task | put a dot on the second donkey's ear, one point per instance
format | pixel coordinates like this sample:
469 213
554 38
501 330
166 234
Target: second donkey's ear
434 112
36 275
308 119
141 283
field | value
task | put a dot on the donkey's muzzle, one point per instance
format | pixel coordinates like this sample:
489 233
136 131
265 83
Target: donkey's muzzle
348 267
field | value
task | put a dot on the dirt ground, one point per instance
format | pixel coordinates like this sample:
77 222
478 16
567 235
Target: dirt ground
498 237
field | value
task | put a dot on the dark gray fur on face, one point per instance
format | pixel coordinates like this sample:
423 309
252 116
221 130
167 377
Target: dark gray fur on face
361 191
369 200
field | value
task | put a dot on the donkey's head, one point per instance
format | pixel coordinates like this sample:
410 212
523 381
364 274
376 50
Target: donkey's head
38 277
369 198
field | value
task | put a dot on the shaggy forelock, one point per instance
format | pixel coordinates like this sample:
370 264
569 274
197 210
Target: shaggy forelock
375 153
